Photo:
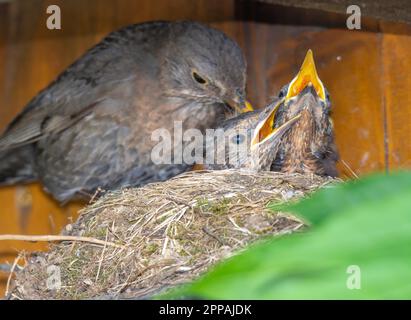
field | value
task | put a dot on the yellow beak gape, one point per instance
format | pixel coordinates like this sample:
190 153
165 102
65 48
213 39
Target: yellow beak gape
306 76
248 107
266 127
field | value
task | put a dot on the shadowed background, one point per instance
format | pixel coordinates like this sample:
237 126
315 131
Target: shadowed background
366 72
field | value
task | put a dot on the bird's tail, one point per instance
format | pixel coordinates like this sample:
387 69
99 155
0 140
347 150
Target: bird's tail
16 166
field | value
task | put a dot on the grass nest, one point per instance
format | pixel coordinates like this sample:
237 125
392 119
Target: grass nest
162 234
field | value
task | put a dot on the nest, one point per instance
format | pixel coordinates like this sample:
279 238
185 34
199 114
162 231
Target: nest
164 234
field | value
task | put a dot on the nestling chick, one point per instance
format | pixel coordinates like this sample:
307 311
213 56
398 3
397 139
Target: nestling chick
292 134
308 147
248 141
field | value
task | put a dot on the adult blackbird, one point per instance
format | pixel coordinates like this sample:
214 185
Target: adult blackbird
92 126
294 133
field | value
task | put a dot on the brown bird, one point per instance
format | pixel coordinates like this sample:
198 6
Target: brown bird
294 133
248 141
308 147
92 126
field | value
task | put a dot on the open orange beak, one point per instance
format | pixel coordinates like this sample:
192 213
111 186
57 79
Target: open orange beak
265 128
306 76
248 107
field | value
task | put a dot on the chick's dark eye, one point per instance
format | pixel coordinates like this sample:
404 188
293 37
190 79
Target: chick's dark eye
238 139
281 94
198 78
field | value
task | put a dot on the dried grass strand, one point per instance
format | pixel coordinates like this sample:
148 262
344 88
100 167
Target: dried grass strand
54 238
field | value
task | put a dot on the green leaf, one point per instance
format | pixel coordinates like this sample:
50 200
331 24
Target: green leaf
365 224
342 197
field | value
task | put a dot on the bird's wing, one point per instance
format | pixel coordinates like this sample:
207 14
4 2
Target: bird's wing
51 114
105 68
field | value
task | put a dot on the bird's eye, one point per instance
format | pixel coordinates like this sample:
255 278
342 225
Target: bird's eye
198 78
238 139
327 96
281 94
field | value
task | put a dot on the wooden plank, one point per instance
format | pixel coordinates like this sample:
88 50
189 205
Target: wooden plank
5 221
393 10
297 16
4 10
396 79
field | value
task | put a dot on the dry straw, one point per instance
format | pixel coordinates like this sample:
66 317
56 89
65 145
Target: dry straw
165 234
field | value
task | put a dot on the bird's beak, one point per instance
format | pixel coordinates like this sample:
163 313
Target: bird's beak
307 76
248 107
239 105
265 130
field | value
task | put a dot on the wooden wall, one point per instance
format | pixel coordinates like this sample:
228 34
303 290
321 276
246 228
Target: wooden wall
366 73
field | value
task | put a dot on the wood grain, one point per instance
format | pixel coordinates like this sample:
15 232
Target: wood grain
393 10
396 81
4 14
